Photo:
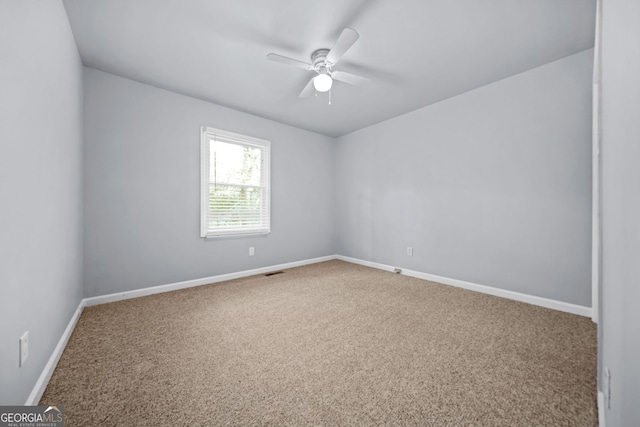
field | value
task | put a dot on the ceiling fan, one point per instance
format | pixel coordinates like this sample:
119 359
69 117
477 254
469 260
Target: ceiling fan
322 63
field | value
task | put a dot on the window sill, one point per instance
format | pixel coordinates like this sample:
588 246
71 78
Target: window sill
236 234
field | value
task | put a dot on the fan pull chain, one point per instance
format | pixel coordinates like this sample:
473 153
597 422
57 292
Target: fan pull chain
329 96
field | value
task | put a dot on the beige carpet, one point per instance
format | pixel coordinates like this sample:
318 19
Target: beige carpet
331 344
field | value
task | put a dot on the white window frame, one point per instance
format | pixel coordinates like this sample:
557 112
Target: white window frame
207 134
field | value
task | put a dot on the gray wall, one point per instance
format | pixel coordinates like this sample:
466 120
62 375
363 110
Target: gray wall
620 317
491 187
40 187
142 180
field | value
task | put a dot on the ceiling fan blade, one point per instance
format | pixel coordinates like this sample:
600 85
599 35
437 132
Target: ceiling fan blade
347 38
308 89
289 61
352 79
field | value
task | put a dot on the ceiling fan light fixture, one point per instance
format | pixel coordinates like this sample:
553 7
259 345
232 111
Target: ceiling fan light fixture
322 82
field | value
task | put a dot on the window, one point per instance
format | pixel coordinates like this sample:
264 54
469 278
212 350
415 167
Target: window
234 184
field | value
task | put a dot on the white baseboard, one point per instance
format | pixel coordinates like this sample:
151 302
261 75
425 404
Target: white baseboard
517 296
45 376
601 409
136 293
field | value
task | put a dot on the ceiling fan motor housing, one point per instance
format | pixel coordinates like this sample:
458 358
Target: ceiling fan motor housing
319 61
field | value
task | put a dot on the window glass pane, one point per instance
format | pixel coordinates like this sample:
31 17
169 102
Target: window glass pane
235 164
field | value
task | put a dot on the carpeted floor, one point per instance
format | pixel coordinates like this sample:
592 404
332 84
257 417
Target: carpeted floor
332 344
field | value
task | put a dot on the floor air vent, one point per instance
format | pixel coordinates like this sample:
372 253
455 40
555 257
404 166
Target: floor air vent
273 273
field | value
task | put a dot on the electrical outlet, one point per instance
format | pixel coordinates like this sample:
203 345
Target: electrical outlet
24 348
409 251
252 251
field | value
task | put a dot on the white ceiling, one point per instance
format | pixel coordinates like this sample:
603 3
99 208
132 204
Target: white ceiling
416 52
